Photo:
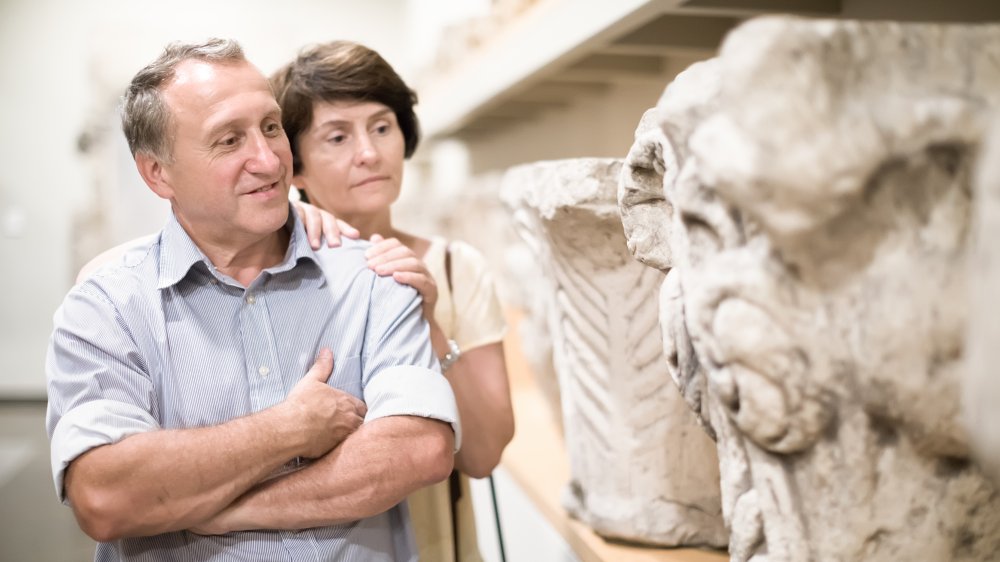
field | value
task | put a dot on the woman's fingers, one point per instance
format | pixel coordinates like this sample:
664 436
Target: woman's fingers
347 230
403 263
321 224
386 250
424 285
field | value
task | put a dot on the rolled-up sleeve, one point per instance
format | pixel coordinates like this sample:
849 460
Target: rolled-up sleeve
99 391
401 374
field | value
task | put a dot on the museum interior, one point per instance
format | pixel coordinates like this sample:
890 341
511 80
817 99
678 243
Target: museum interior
746 252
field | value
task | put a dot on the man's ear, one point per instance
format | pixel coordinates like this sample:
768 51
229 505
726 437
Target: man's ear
154 174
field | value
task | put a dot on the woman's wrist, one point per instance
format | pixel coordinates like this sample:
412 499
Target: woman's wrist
449 358
439 341
445 349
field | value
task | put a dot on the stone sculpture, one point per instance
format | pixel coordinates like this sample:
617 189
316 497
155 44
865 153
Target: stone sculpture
642 469
814 217
982 387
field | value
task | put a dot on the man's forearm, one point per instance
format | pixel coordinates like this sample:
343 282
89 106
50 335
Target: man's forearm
369 472
166 480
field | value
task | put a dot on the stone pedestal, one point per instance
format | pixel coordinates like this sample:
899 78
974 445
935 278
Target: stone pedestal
642 469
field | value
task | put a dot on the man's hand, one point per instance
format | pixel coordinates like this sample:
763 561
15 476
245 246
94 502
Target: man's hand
325 415
320 224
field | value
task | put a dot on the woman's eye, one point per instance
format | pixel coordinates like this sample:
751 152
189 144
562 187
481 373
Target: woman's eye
337 139
382 129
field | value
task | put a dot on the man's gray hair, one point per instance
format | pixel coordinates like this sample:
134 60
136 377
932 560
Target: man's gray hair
145 114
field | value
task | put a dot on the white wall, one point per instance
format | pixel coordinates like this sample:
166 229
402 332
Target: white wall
63 64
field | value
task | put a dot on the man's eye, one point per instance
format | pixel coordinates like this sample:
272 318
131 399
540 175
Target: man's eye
229 141
382 129
272 127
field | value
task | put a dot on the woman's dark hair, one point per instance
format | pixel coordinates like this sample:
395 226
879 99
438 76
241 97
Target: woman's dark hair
341 71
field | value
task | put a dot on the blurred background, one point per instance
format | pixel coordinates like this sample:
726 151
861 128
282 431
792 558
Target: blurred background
501 82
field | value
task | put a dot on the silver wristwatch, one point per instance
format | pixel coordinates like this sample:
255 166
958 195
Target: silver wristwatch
449 358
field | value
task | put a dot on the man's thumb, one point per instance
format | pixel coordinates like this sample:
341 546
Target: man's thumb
323 366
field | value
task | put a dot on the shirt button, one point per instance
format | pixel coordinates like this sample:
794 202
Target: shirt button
264 371
213 281
251 299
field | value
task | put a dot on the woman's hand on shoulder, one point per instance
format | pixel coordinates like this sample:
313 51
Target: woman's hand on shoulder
321 224
388 256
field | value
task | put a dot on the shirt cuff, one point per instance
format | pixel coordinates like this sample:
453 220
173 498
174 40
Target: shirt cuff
101 422
408 390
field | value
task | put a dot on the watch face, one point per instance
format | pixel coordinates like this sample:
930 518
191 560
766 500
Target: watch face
449 358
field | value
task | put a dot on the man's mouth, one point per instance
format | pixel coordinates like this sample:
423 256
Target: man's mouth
263 189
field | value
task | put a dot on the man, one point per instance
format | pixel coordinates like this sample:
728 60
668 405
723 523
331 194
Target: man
177 401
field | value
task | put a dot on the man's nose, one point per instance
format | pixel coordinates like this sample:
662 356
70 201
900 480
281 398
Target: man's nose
263 158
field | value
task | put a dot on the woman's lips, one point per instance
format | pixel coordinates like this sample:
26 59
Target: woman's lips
372 179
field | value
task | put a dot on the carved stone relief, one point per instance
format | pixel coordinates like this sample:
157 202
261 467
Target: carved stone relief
477 216
982 386
642 469
814 219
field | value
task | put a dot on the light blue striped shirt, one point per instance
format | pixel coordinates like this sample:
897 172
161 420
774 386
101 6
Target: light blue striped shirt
160 339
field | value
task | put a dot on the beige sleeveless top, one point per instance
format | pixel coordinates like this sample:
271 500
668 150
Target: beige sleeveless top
470 314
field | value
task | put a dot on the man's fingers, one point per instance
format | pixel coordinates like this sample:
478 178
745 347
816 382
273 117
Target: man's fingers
322 367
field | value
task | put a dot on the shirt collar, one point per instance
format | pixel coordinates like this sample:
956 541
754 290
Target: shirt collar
178 253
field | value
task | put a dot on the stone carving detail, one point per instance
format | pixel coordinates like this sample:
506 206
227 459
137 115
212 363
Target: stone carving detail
982 388
476 215
813 218
642 469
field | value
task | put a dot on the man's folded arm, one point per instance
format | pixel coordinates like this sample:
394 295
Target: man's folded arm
166 480
371 471
408 441
123 474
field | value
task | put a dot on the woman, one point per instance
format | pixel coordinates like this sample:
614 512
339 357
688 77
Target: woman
350 121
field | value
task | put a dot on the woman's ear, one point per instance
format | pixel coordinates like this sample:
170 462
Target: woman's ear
300 184
154 174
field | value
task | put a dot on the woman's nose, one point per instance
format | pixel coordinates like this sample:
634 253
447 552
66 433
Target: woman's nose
367 153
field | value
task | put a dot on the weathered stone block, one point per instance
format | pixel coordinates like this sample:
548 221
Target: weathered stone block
642 469
816 199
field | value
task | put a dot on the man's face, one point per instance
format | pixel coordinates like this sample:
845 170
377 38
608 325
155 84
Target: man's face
229 178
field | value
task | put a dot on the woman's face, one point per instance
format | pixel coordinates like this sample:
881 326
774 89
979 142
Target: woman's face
352 158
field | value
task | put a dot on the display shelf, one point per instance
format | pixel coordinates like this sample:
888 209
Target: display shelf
537 461
545 37
546 46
